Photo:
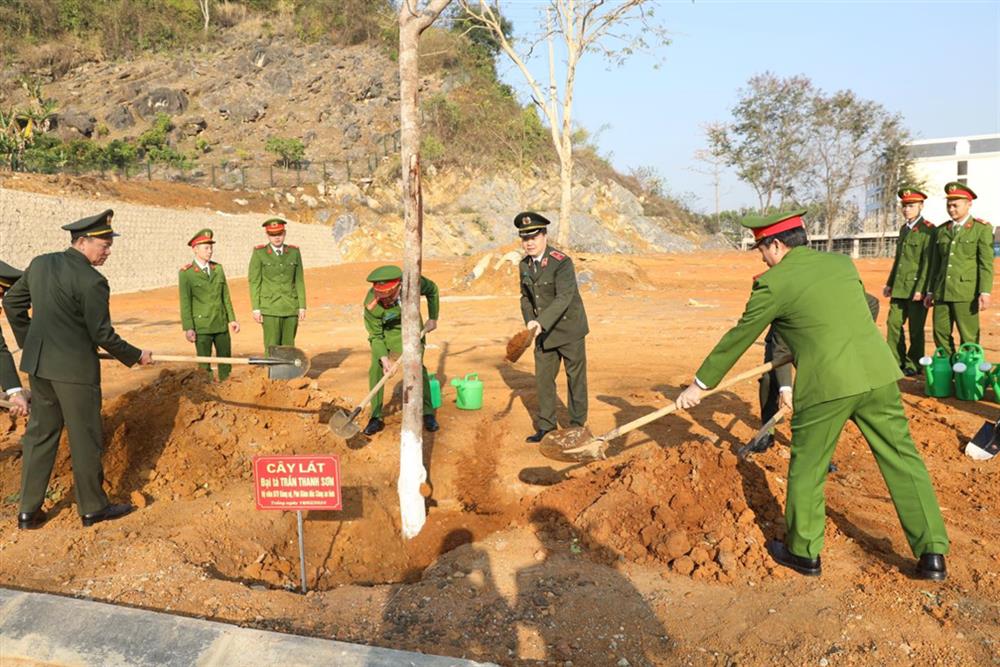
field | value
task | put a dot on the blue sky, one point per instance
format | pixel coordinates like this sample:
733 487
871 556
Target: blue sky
936 63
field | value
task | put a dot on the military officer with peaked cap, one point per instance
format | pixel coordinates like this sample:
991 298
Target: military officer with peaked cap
206 307
552 307
383 317
10 383
69 320
961 273
277 286
845 371
907 282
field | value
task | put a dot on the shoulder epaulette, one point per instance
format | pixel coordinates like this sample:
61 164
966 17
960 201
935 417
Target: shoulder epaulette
980 220
929 224
556 255
289 245
211 263
187 266
260 247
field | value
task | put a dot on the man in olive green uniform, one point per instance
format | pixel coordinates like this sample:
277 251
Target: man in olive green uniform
69 320
961 274
551 307
844 371
10 383
383 317
277 286
907 283
206 309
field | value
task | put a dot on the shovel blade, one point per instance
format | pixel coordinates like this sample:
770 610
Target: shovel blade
342 424
296 363
573 445
985 444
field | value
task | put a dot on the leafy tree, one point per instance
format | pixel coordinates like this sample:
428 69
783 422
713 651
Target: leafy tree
290 152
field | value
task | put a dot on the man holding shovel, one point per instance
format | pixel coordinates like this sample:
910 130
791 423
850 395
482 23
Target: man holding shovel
844 371
68 299
10 383
383 316
552 308
206 308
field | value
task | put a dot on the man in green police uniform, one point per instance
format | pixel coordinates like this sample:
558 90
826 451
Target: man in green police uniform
10 383
69 320
907 282
551 307
844 371
961 273
206 309
277 286
383 316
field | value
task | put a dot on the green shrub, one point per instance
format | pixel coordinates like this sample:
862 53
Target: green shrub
289 151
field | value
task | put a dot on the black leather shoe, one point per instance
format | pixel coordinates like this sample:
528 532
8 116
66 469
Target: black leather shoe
811 567
109 513
931 566
374 426
431 423
536 436
31 520
910 372
762 445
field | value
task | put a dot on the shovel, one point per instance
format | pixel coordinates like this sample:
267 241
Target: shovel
762 434
283 363
986 443
580 445
342 424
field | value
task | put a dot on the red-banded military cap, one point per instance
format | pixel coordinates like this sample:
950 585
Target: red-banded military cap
385 279
8 275
95 226
956 190
274 226
769 225
910 195
203 236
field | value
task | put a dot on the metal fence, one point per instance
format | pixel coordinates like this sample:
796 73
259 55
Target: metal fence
248 175
869 244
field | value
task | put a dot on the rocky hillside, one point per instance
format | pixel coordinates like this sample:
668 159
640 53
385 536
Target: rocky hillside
226 99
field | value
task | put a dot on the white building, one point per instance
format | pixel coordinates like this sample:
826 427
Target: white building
973 160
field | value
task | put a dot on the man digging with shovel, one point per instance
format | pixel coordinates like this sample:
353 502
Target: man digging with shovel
384 323
845 371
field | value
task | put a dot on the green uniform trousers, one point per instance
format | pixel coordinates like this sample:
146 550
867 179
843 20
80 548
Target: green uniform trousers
78 406
375 374
279 330
914 315
203 344
574 356
948 314
879 415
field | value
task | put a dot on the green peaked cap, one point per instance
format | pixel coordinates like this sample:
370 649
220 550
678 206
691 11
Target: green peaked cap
383 273
94 226
8 274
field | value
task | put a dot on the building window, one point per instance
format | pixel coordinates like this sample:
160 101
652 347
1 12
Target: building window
963 167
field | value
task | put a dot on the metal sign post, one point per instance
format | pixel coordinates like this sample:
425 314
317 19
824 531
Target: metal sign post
297 483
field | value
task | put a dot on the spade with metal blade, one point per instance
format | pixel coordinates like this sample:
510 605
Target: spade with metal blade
342 423
283 362
578 444
986 443
756 443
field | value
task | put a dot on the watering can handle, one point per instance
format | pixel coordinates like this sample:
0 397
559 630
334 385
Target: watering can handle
471 375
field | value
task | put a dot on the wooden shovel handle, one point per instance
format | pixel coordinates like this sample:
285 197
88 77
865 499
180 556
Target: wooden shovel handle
725 384
202 360
6 404
385 378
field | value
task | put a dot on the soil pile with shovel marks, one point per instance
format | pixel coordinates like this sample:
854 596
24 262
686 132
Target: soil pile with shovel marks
692 508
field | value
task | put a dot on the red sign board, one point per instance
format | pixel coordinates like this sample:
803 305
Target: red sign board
300 482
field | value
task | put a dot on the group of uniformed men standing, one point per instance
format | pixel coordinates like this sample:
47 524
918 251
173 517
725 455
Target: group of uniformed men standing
813 301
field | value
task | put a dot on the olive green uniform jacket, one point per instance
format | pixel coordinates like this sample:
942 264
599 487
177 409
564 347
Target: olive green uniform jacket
277 282
911 267
962 261
838 351
69 319
549 295
206 306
